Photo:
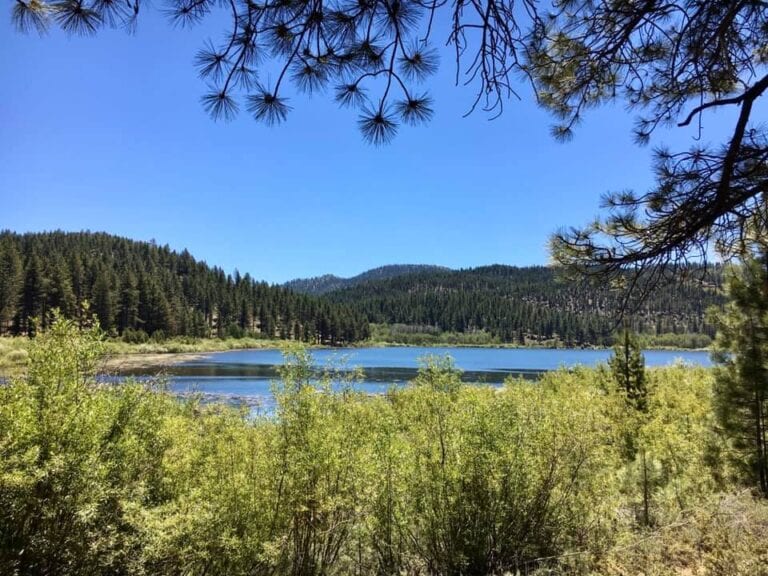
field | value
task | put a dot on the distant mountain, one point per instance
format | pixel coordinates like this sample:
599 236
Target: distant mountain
328 283
529 304
317 285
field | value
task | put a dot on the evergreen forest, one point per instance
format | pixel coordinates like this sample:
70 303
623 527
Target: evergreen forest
532 304
139 290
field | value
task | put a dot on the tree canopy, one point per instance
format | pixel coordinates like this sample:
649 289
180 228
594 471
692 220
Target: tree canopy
139 289
741 384
529 305
672 63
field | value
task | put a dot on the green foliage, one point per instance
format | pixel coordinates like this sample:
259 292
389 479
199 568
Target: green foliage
666 433
494 478
628 368
524 306
404 334
11 279
727 536
432 478
742 377
141 291
13 353
329 283
674 64
140 343
132 336
671 452
75 458
684 341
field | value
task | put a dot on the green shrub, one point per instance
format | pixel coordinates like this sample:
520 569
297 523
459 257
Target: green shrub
434 478
17 356
135 336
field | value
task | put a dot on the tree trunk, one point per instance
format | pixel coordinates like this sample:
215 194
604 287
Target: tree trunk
760 444
646 493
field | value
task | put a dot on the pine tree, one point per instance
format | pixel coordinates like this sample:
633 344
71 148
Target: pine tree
741 385
129 304
35 294
11 281
628 367
139 286
103 302
62 296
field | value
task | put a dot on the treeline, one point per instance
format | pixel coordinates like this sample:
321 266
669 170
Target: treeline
531 304
140 290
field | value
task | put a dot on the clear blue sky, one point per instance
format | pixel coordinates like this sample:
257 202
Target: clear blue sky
107 134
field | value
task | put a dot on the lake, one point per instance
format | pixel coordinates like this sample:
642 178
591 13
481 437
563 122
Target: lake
245 376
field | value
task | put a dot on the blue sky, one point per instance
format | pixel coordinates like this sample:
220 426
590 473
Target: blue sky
107 134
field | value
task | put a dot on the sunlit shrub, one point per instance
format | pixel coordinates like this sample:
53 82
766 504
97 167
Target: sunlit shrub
433 478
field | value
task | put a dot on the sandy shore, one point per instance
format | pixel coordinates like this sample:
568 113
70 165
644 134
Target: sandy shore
121 362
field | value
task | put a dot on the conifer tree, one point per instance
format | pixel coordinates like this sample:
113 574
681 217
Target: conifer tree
62 296
628 368
129 304
11 279
35 295
103 303
741 350
141 289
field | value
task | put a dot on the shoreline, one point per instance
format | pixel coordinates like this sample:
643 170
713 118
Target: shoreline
119 360
515 346
147 360
159 360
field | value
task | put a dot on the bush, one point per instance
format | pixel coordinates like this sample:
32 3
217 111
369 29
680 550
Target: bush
132 336
234 331
433 478
727 536
77 459
17 356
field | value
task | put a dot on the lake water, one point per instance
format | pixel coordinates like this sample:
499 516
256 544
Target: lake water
246 376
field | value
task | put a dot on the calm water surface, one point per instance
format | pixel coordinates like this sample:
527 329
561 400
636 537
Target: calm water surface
247 375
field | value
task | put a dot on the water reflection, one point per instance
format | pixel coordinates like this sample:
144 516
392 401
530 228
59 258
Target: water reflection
246 377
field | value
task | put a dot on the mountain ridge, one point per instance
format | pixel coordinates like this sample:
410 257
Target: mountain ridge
531 305
139 289
319 285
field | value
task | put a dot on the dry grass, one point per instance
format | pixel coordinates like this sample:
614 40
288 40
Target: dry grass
726 537
13 354
13 351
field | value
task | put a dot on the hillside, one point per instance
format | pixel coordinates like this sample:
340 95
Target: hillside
139 289
328 283
528 305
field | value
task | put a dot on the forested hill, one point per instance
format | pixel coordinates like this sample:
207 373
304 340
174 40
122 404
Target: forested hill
528 305
329 282
139 288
